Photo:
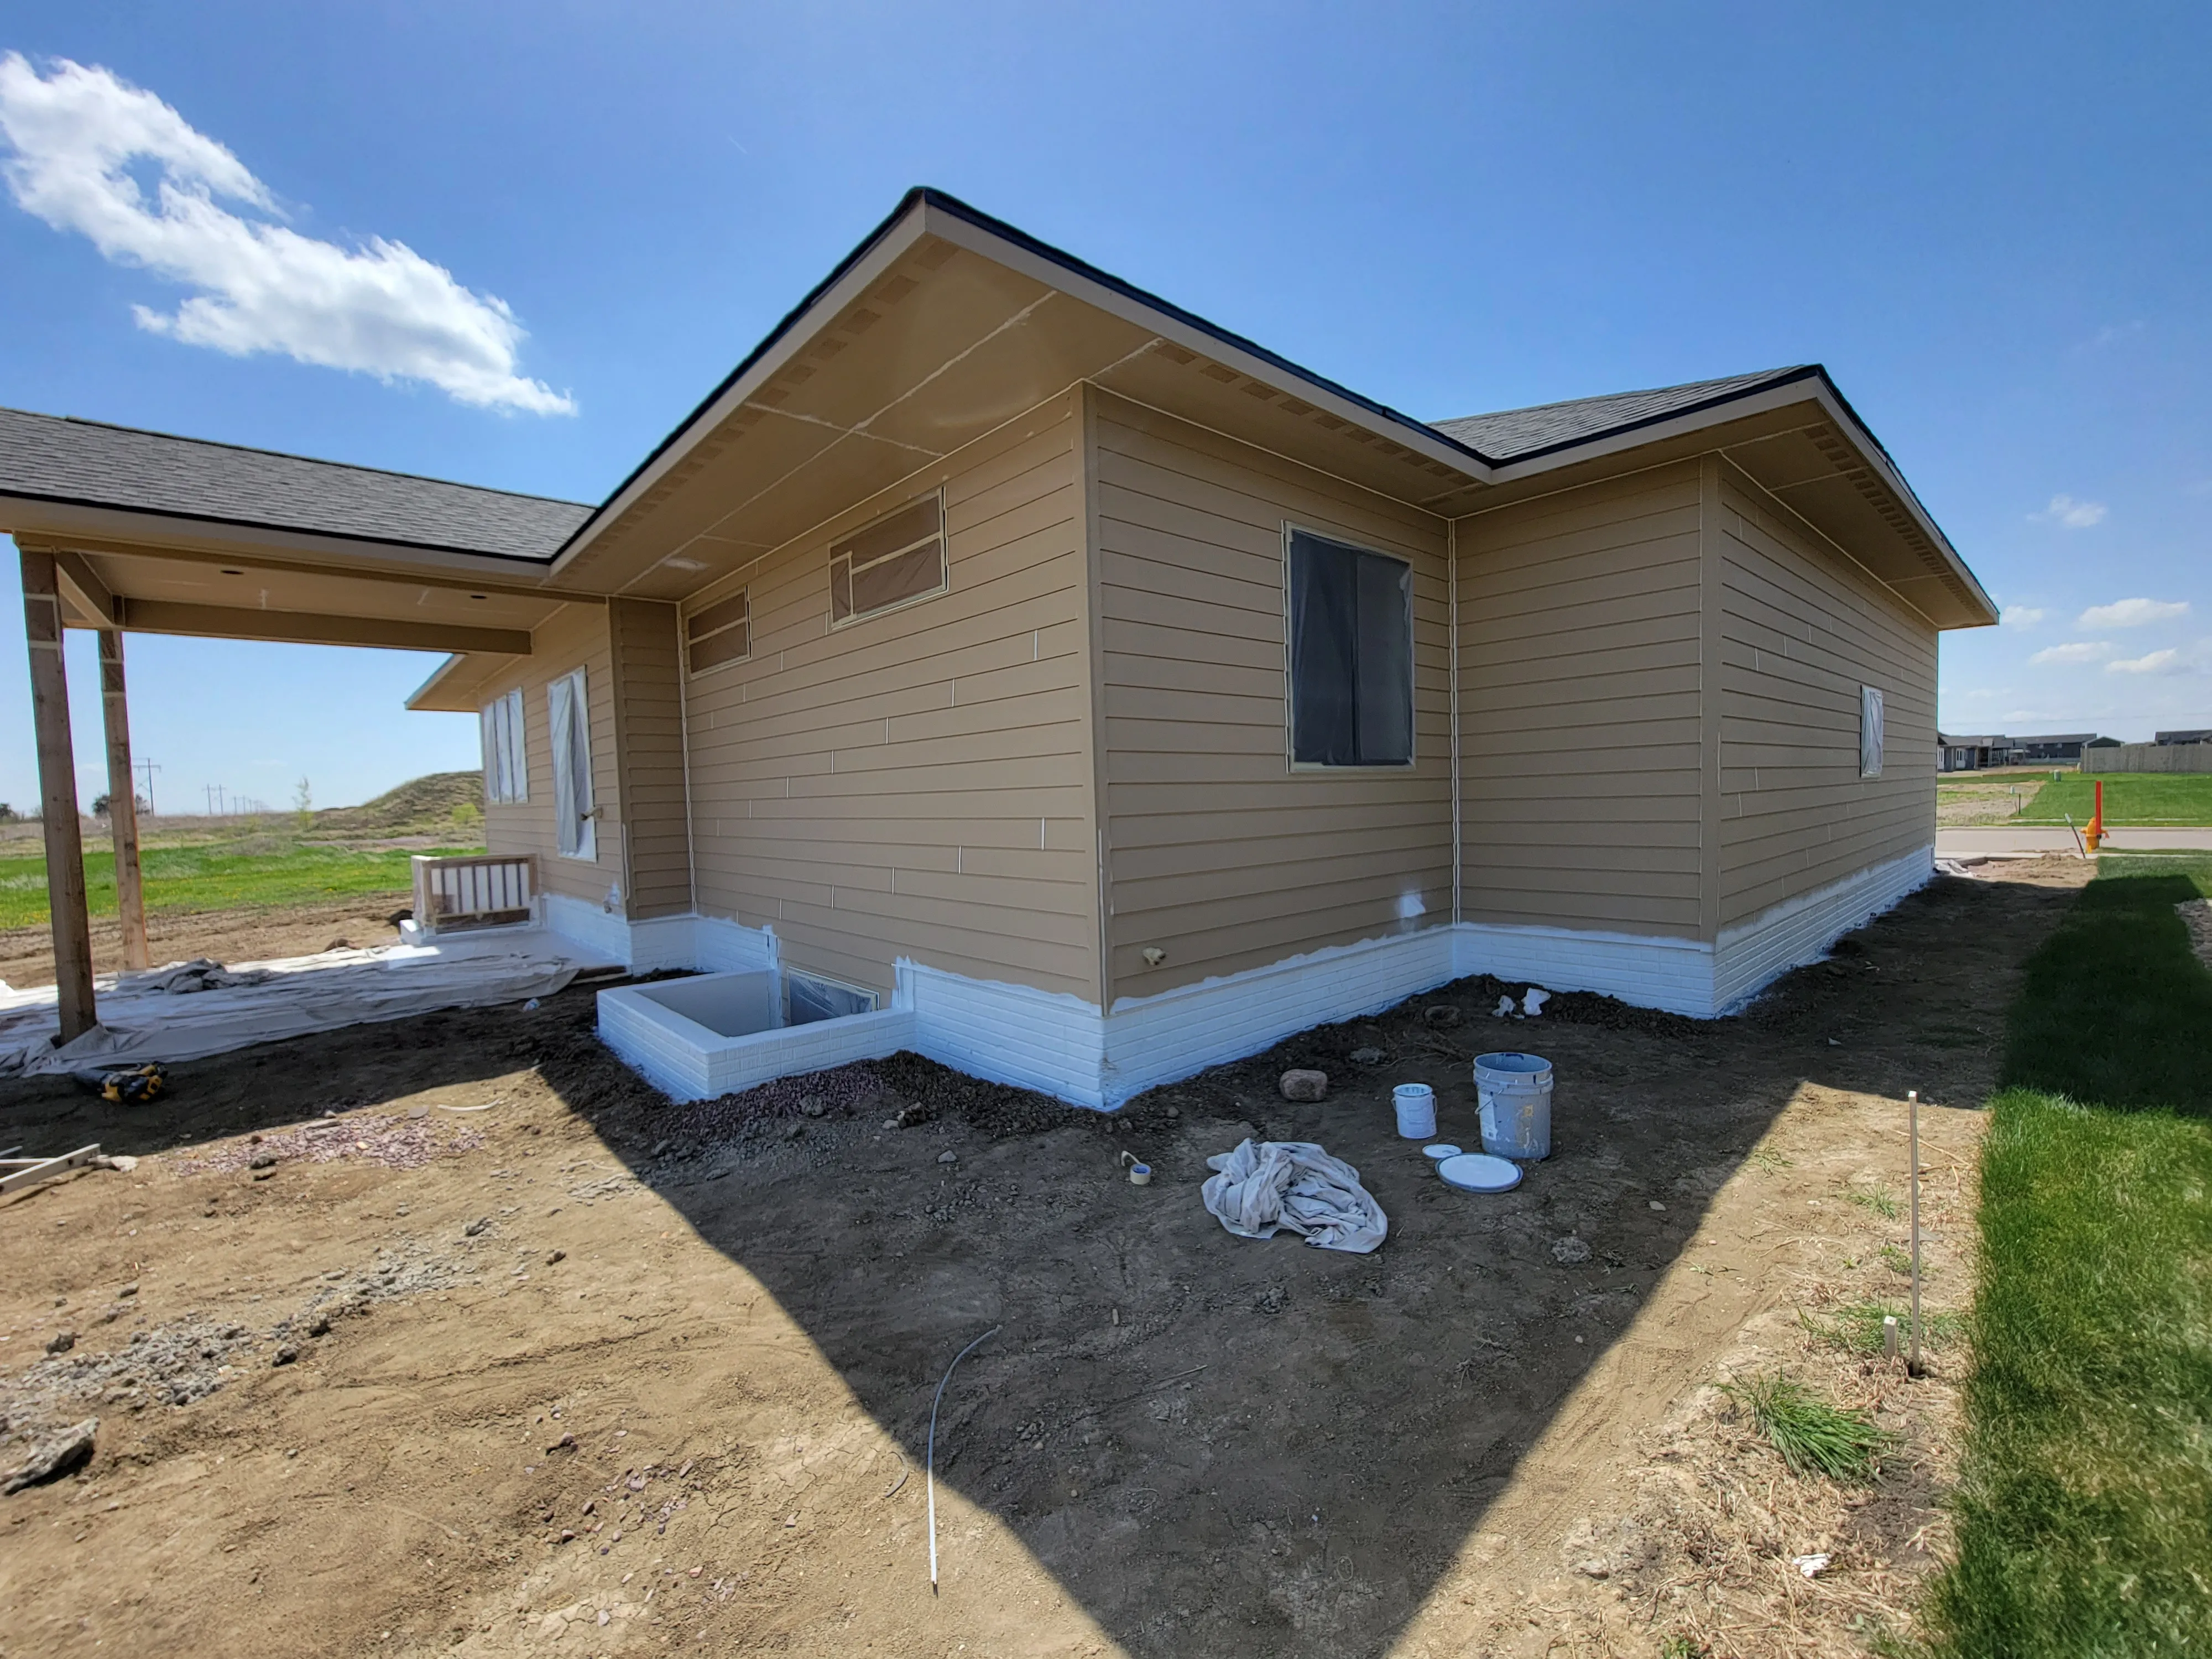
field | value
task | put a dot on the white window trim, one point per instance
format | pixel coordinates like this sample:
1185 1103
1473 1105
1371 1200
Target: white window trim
568 722
1386 768
944 566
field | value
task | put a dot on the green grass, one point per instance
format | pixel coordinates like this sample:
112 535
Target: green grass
2085 1506
1856 1327
217 878
1879 1200
2155 799
1814 1436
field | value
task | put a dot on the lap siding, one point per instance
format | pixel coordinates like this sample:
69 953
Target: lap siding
1221 855
1802 629
917 784
1580 707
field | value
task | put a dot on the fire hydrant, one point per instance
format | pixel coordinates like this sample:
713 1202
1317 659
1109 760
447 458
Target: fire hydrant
2094 836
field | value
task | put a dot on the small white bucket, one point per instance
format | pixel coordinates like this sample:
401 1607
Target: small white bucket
1417 1110
1515 1093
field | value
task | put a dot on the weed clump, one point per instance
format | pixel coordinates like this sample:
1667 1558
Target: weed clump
1814 1436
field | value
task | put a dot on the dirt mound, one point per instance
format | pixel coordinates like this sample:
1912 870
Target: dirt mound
421 806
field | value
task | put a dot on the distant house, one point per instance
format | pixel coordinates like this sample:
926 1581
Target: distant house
1014 649
2166 739
1970 754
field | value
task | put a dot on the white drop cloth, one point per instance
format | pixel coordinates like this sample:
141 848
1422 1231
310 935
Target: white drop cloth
188 1011
1266 1185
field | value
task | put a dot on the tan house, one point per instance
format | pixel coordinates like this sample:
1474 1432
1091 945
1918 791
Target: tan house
1036 676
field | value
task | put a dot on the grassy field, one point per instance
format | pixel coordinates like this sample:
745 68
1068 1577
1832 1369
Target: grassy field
212 877
263 862
2085 1511
2153 800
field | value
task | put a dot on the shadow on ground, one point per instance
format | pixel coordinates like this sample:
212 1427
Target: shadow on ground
1216 1446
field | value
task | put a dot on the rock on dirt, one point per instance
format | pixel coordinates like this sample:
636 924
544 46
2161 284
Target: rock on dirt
54 1456
1300 1085
1569 1251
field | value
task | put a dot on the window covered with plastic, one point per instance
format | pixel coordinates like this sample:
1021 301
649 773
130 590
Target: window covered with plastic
1352 655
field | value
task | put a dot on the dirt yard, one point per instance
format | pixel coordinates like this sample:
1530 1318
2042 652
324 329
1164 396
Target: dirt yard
499 1353
27 954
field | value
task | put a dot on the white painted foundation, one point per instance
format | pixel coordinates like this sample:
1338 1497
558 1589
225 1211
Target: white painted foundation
1063 1046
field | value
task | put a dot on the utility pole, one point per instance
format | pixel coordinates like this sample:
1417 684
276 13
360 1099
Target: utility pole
149 769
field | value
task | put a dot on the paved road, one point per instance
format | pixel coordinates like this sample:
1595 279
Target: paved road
1998 839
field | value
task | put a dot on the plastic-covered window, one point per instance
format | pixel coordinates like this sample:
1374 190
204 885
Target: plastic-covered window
897 560
1869 731
507 774
568 716
721 633
1352 655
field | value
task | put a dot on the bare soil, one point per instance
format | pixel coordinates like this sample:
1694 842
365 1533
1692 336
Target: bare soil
586 1373
27 954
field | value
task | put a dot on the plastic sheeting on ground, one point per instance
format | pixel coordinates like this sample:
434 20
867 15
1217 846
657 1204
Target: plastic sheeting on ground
1267 1185
185 1011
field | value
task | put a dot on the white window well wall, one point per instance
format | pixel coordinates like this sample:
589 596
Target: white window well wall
568 716
720 633
1870 737
1350 632
896 561
505 756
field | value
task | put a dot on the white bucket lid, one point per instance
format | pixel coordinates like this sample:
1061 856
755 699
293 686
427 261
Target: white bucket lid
1479 1172
1441 1151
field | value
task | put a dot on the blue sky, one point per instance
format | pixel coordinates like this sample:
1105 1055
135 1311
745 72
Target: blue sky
1989 222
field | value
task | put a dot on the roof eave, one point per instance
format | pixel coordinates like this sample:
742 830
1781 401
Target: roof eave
924 212
1797 385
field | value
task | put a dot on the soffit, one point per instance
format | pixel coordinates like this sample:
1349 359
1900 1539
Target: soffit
942 346
151 576
1819 467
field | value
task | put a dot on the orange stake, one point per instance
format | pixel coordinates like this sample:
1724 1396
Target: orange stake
2094 835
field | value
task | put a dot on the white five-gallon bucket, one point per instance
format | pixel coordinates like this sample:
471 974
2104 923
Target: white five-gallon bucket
1516 1092
1417 1110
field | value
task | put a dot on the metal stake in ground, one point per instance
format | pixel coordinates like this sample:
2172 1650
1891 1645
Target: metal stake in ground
1912 1107
929 1464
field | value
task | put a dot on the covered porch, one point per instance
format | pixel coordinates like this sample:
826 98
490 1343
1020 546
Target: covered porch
121 532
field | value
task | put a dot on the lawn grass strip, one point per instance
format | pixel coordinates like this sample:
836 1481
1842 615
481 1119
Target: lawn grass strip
2087 1482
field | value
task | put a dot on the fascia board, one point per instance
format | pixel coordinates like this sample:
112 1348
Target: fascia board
794 335
1206 341
42 521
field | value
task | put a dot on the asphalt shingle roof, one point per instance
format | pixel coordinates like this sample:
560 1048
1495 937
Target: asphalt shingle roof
57 457
1515 434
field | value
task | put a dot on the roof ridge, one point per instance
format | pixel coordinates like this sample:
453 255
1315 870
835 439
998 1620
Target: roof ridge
290 455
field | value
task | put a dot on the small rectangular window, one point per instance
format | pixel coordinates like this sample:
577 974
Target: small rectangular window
722 633
568 716
897 560
1869 731
506 768
1351 655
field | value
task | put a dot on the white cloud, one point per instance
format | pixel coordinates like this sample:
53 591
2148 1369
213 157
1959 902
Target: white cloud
2074 651
379 309
2132 613
2021 616
2073 515
2157 662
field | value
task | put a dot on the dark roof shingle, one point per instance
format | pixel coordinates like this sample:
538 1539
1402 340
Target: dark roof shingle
1516 434
62 458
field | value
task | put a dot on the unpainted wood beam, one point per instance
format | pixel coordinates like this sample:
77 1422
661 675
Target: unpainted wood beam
65 896
122 800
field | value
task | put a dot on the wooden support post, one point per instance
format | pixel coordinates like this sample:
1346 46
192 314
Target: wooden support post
121 800
66 901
